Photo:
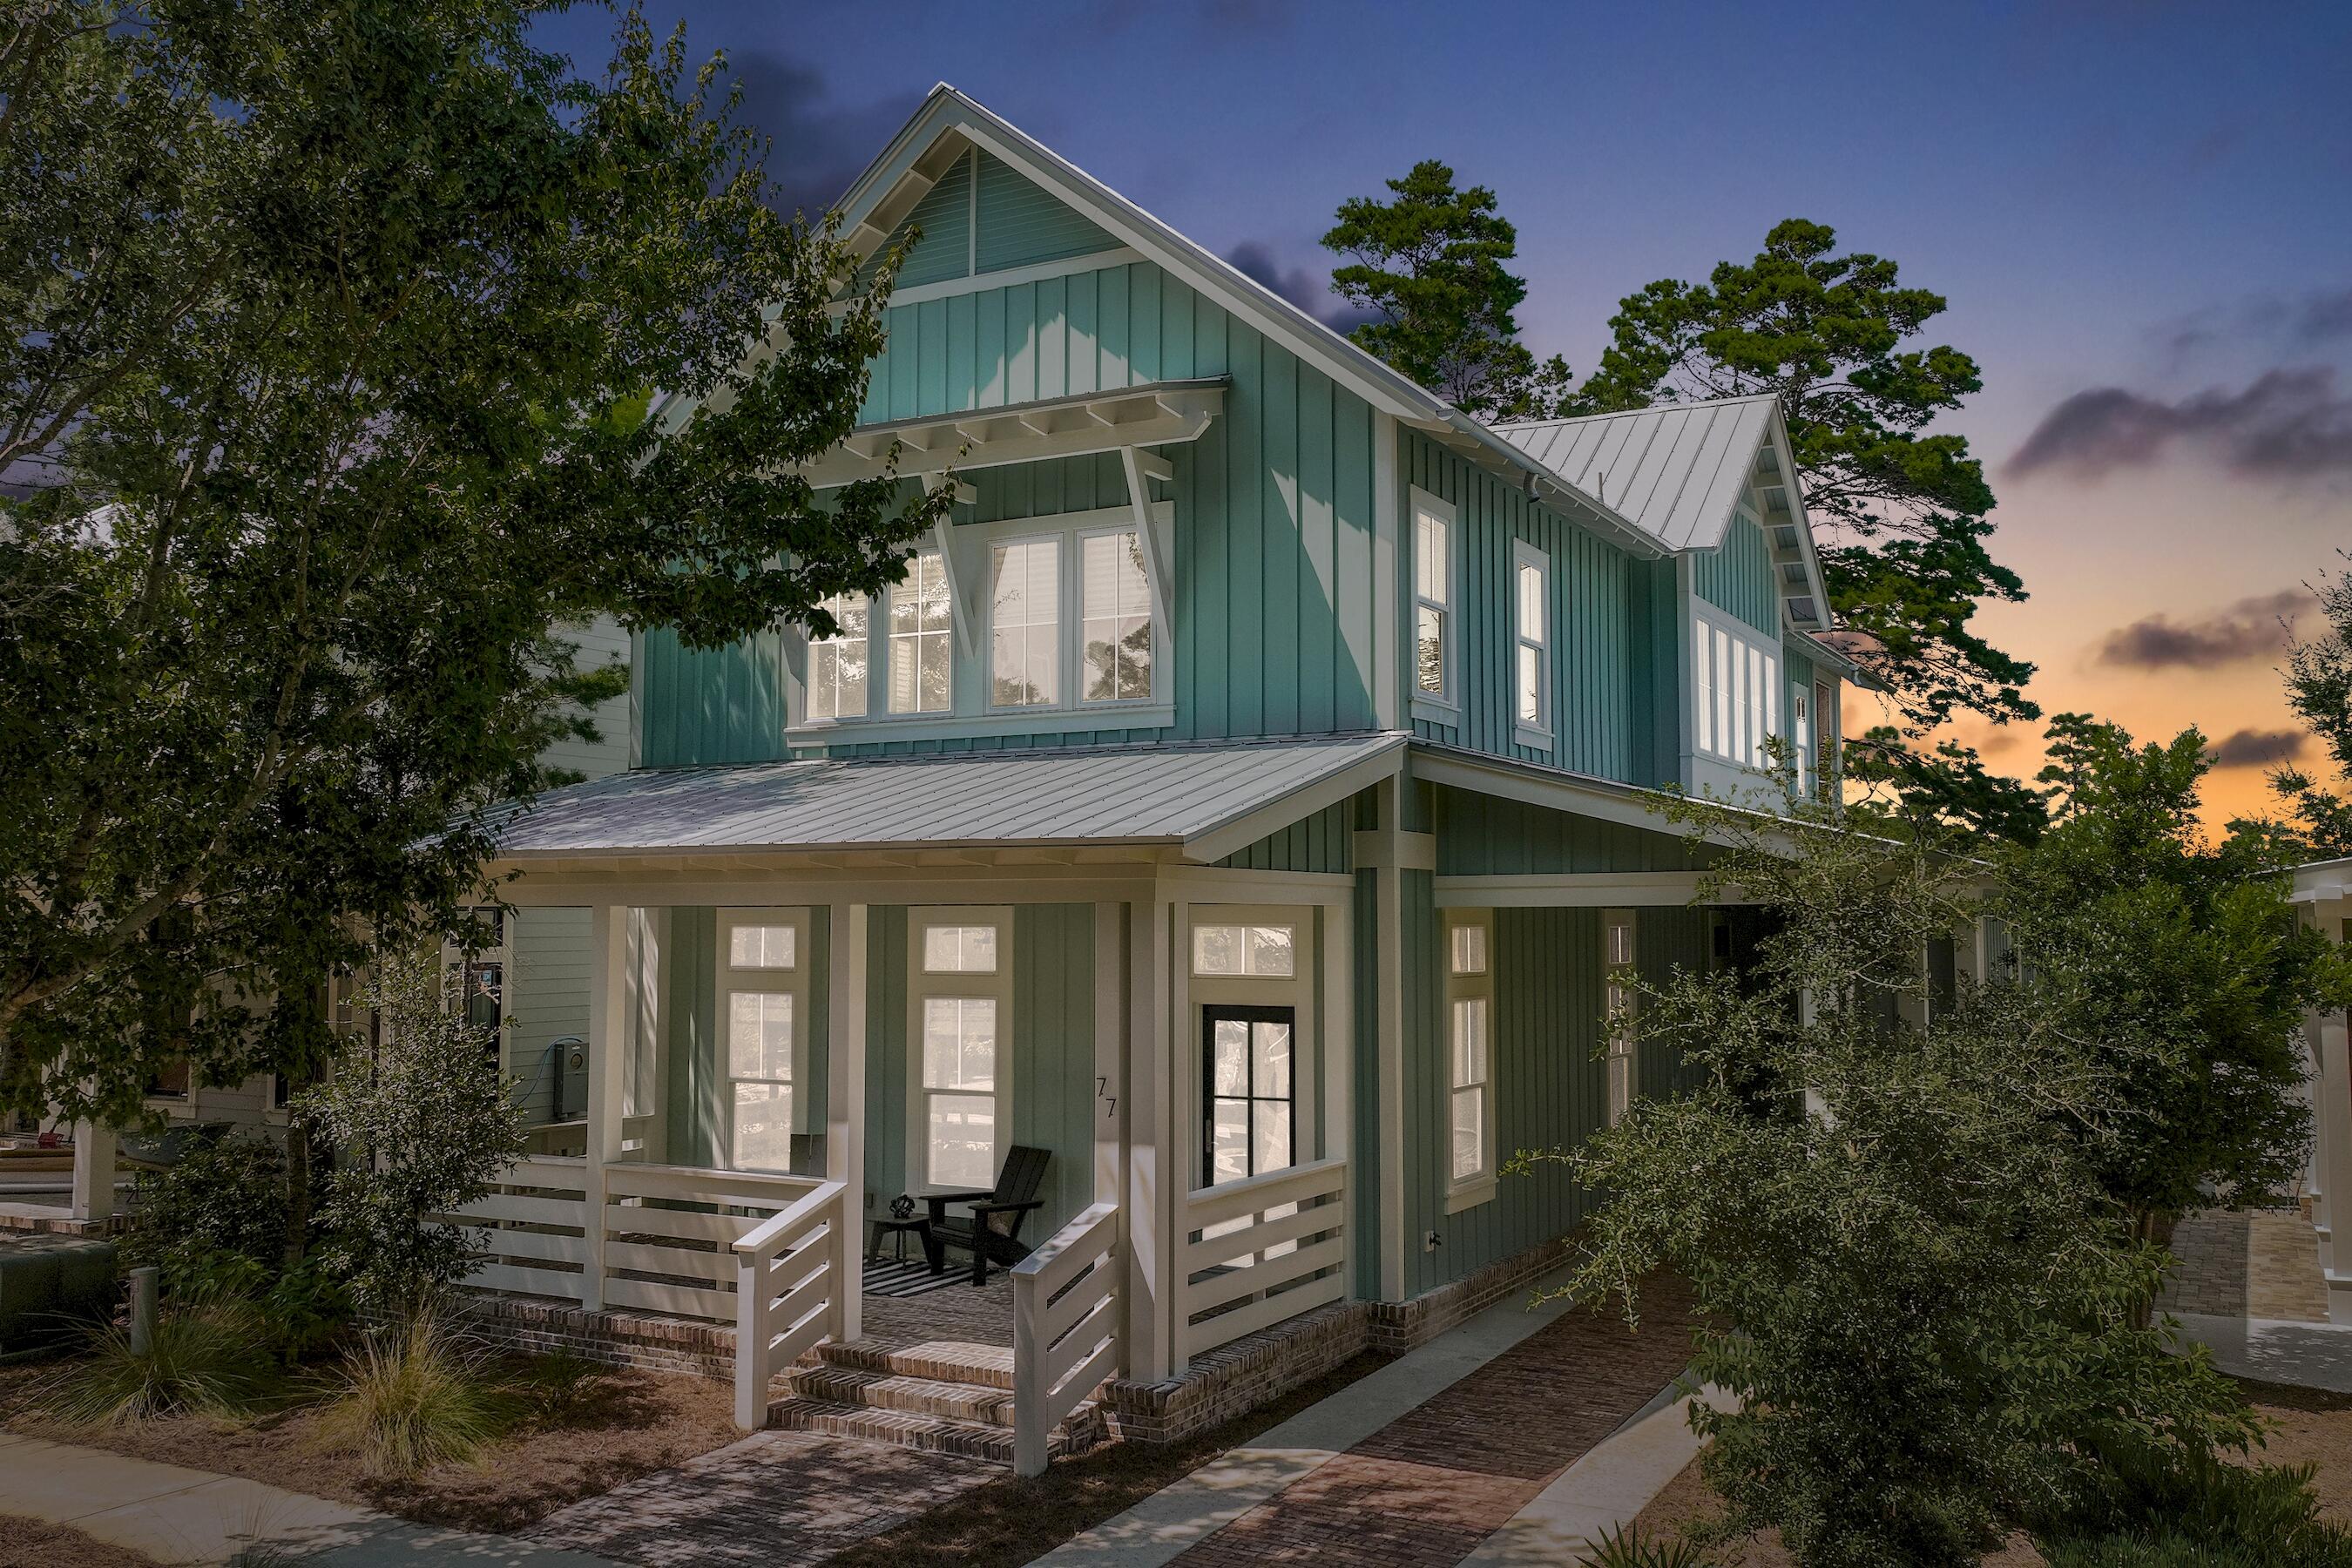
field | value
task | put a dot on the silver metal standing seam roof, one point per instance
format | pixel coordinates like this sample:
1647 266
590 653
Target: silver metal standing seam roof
1153 795
1676 470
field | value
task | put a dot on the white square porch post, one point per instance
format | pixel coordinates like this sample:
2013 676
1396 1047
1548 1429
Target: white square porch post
94 1171
1112 1116
844 1111
608 979
1156 1161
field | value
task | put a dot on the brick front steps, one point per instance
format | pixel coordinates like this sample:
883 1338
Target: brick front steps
941 1397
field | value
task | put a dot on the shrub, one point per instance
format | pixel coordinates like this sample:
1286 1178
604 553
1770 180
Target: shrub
412 1397
1627 1548
2196 1511
208 1358
425 1122
216 1219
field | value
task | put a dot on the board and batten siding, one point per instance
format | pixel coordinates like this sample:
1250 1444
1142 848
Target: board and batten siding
1738 577
1487 836
1048 1050
1273 602
1600 699
1321 842
1551 1089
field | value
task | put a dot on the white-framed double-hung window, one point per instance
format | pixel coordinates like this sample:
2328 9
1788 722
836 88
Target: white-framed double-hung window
1801 740
763 1019
960 995
921 645
1024 655
1531 680
1433 603
1470 1057
837 665
1070 619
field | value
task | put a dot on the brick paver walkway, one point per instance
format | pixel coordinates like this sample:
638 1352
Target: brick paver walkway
781 1500
1425 1490
2258 1263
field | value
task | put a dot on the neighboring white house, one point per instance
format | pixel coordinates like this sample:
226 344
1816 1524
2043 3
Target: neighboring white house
2323 900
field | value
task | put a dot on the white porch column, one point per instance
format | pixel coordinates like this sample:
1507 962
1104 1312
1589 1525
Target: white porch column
1155 1163
94 1171
608 980
844 1094
1113 1008
2331 1092
1386 851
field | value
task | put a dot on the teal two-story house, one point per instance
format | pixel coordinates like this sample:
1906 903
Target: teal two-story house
1226 832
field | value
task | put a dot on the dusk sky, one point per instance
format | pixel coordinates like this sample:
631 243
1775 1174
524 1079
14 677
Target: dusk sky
2140 213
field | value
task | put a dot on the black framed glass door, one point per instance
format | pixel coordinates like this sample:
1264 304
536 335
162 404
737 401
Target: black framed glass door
1249 1109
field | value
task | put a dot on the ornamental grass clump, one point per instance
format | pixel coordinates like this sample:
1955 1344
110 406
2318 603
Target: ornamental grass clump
412 1397
206 1358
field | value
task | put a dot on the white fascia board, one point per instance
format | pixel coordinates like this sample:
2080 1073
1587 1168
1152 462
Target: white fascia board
1577 891
1254 823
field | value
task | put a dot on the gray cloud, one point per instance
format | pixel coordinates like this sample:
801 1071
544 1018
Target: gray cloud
2323 317
2248 629
2258 748
1255 259
2286 424
820 144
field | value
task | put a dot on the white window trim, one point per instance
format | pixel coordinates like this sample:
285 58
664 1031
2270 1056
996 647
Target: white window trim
1294 991
793 983
970 665
1623 1058
1443 707
1470 1191
1740 714
922 984
1064 581
1539 734
874 611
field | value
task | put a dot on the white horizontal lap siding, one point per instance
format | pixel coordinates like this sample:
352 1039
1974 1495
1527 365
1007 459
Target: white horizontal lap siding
599 642
547 998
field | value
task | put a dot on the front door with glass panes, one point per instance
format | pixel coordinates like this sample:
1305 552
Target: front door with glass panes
1249 1098
763 1001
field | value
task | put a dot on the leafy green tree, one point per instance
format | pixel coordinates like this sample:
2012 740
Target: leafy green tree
425 1121
1906 511
332 331
1909 1274
1943 793
2177 965
1431 265
2319 689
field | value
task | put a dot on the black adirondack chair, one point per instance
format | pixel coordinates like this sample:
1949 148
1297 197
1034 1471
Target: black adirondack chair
993 1229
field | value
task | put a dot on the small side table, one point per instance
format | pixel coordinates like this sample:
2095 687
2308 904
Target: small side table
899 1230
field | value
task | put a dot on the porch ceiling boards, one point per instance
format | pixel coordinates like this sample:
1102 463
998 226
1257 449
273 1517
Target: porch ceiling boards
1204 801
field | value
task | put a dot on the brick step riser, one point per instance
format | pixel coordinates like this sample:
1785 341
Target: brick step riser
927 1434
898 1362
949 1401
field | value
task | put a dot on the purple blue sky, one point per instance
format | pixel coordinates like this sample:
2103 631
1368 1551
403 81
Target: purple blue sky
2141 214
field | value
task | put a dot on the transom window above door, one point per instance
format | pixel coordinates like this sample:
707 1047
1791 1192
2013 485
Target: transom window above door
1038 624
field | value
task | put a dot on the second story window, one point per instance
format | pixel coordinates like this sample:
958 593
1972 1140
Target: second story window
922 637
1801 738
838 663
1734 693
1531 666
1114 600
1432 598
1024 605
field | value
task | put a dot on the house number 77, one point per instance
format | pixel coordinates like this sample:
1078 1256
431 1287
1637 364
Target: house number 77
1103 1093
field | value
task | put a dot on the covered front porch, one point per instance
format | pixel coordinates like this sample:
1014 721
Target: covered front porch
798 1009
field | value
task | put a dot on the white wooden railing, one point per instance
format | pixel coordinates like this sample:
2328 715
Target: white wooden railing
533 1229
792 1273
659 1258
1066 1328
1255 1251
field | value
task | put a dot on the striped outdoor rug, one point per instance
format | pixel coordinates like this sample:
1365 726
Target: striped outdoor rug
886 1277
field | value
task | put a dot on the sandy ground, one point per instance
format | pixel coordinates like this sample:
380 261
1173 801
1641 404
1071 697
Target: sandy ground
623 1423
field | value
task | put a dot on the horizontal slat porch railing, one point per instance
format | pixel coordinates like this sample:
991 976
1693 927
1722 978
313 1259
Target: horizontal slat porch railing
1067 1332
659 1258
533 1229
1253 1252
791 1275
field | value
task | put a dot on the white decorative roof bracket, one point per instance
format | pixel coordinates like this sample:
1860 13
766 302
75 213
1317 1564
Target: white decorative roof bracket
1159 549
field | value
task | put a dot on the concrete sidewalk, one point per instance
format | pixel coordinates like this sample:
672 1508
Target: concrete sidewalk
179 1515
2269 1350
